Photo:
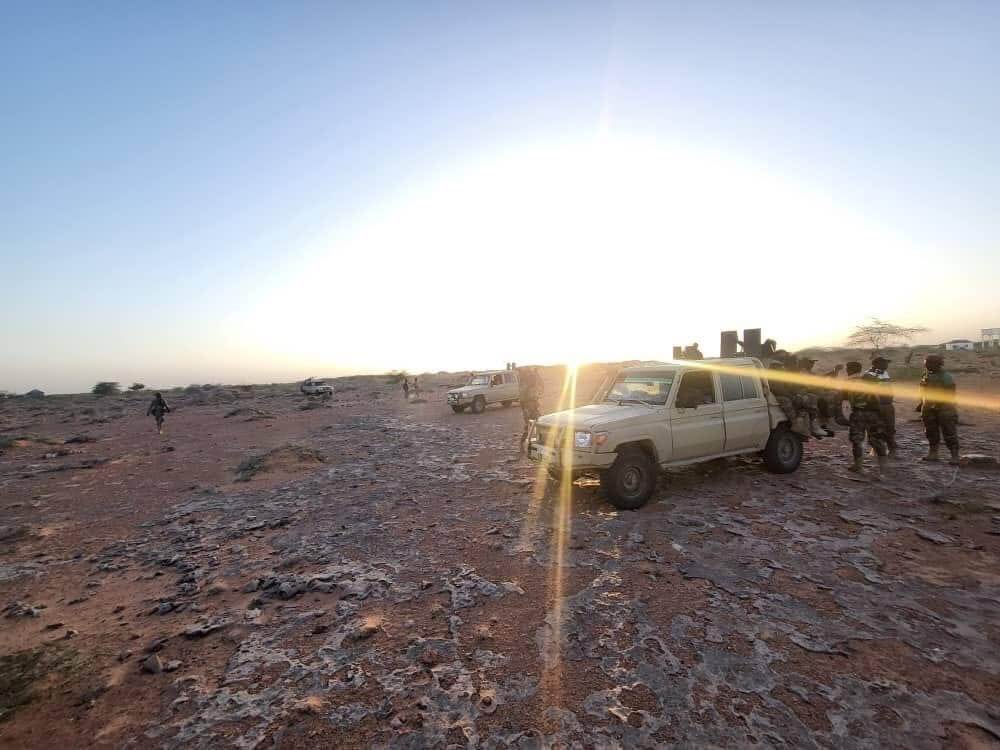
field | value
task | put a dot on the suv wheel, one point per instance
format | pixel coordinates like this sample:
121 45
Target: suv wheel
783 452
631 479
478 405
458 409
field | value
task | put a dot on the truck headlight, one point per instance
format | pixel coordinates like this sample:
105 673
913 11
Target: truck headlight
582 439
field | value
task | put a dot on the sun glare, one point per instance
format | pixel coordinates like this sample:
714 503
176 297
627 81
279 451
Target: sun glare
586 250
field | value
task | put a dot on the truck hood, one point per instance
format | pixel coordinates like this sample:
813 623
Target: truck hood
470 389
596 416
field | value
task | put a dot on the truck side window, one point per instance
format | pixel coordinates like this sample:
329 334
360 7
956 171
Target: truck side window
696 388
732 389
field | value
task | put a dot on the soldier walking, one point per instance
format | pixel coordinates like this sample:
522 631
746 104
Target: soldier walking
937 408
529 395
158 408
880 373
866 418
406 389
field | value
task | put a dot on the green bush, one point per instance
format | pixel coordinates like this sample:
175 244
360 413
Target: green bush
106 388
137 386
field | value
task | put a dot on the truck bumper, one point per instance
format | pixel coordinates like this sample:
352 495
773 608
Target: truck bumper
578 460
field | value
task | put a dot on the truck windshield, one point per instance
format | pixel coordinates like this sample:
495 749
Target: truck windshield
479 380
649 388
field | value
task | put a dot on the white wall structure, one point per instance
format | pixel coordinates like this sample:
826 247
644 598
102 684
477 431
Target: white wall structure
991 334
959 345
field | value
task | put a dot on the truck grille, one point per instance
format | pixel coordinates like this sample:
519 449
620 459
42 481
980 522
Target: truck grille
549 436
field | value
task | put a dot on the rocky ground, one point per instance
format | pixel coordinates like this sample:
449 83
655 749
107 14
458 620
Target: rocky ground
367 572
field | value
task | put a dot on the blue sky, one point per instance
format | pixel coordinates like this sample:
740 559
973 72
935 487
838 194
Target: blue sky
165 167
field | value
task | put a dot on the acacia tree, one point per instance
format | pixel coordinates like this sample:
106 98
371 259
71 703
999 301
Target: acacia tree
878 334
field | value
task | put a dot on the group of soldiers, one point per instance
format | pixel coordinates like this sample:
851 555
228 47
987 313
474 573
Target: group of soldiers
873 411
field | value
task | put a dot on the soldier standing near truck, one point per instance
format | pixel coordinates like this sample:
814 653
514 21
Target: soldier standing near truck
865 421
880 372
529 395
937 408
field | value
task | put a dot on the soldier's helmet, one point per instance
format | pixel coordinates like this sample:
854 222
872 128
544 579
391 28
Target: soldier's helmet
933 361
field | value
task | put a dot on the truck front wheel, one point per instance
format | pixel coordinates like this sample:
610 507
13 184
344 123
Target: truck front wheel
478 405
783 452
458 409
630 481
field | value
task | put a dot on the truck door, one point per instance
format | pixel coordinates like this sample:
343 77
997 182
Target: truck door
696 417
745 411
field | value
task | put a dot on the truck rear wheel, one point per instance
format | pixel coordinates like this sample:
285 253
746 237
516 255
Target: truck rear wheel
478 405
783 452
630 481
458 409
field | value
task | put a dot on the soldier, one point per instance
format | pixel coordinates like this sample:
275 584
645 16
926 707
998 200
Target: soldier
937 408
828 402
406 389
880 373
158 408
693 352
529 395
866 418
806 400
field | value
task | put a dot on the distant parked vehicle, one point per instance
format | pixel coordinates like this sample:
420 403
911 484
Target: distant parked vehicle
313 387
483 388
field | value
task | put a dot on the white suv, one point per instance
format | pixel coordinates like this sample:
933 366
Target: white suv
312 387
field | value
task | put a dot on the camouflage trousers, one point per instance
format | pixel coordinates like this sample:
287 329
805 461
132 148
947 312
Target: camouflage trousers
866 423
941 421
530 411
800 402
888 413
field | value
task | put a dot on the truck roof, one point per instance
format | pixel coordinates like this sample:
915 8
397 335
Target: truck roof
727 361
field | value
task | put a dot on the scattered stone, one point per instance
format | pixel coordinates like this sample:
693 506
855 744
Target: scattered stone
54 626
125 655
22 609
200 630
216 588
172 666
978 459
70 634
934 536
156 644
151 664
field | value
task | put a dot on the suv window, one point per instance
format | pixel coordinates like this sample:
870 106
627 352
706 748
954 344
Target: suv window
696 388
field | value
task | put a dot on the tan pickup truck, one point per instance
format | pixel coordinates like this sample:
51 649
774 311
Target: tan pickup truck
654 417
485 388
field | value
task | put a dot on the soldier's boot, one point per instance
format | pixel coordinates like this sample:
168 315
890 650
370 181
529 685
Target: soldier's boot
954 460
815 430
932 454
883 464
857 465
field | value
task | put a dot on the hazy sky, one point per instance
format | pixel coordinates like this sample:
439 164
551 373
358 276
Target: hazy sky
201 192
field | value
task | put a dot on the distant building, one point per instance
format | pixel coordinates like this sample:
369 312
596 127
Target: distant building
989 340
959 345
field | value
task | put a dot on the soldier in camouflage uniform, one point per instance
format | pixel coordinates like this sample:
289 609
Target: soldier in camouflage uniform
880 373
529 395
865 421
937 408
158 408
828 402
806 399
